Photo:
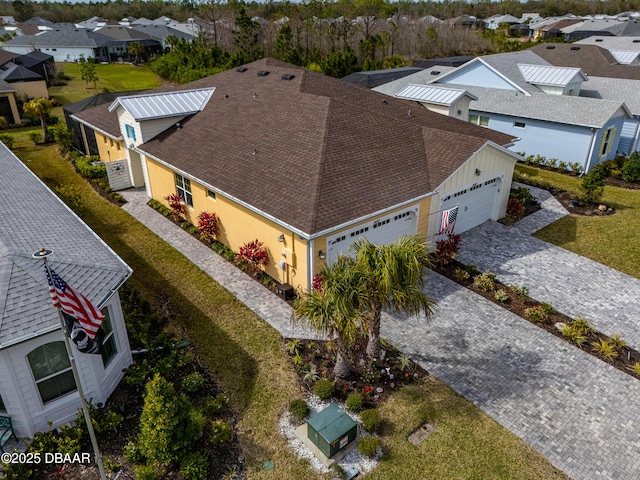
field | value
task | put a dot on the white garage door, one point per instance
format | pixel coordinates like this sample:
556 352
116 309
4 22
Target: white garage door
475 204
381 231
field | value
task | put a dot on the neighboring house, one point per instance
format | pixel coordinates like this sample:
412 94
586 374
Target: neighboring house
310 175
63 44
24 81
588 28
373 78
592 59
84 139
523 96
493 22
557 29
161 32
120 37
626 50
8 104
444 62
37 389
38 62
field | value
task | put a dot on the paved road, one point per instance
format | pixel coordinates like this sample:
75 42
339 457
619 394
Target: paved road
579 412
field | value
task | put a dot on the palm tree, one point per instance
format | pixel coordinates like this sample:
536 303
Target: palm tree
136 50
330 310
392 277
39 107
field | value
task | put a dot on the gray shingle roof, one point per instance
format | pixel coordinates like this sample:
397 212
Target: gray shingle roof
60 37
33 217
420 78
617 89
508 65
586 112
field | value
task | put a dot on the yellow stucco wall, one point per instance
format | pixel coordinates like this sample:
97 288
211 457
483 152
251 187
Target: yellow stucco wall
239 225
109 149
31 89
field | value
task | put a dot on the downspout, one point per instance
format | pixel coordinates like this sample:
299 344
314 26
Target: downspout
310 264
594 134
634 145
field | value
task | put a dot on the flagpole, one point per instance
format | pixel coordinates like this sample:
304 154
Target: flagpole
76 376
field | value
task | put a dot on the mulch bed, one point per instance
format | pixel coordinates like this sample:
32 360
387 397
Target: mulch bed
574 206
375 379
626 358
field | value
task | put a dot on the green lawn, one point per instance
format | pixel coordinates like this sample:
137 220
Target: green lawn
113 77
246 355
611 240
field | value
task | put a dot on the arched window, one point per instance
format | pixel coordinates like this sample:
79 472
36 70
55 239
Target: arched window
51 370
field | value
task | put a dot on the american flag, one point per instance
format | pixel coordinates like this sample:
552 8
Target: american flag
74 304
448 221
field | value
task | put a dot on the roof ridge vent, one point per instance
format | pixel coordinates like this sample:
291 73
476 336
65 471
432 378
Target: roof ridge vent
288 76
435 72
575 48
598 39
550 47
636 41
241 69
263 73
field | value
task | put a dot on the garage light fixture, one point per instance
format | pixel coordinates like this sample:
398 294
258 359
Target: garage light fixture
281 237
322 255
478 171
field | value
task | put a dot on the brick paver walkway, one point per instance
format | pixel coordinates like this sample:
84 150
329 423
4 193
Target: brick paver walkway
579 412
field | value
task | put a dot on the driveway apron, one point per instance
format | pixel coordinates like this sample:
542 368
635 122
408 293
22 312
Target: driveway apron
578 411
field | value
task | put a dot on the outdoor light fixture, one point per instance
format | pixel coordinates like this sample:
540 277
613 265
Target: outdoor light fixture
281 237
478 171
322 255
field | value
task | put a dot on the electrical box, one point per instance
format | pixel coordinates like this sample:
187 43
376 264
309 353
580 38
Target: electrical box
331 430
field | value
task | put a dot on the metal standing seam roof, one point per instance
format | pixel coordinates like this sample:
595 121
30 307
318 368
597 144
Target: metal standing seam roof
625 57
433 94
161 105
550 75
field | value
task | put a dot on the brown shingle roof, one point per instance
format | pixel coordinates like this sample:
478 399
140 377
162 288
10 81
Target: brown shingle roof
593 59
326 152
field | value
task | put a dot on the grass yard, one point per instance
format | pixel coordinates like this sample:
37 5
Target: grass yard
611 240
246 356
114 77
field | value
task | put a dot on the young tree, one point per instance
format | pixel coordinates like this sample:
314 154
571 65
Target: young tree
392 277
136 50
88 73
40 107
331 310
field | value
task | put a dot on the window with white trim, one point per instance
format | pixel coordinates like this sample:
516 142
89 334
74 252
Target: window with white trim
183 186
51 370
109 348
479 120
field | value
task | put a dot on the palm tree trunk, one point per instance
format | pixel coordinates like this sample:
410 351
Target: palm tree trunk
373 331
342 368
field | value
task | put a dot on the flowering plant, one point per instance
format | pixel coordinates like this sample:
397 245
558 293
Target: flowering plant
177 206
253 255
317 281
208 225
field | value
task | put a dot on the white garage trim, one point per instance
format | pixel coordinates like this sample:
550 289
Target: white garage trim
476 203
381 230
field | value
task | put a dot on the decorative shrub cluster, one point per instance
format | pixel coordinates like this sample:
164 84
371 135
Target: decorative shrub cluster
485 281
536 314
370 419
446 250
368 446
501 296
323 388
252 255
193 382
355 402
552 163
177 206
299 408
88 170
208 225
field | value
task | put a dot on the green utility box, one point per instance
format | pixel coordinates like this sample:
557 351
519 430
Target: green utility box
331 430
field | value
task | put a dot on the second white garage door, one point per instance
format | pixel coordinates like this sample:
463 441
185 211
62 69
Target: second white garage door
381 230
475 204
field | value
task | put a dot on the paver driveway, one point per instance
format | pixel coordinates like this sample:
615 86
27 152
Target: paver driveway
579 412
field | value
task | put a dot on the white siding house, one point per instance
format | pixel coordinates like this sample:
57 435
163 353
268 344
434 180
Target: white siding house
36 383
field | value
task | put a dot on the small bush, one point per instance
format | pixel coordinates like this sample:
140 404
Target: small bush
446 250
631 168
522 292
355 402
176 205
573 334
485 282
523 195
635 368
111 465
501 296
575 168
35 137
253 255
88 170
193 382
583 326
617 341
604 348
323 388
370 420
536 314
461 275
109 422
208 225
7 139
146 472
222 250
515 210
132 453
368 446
220 431
472 269
213 406
299 408
548 308
592 186
194 466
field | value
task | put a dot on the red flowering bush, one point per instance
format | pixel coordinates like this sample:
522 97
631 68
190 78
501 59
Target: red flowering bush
446 250
177 206
208 225
515 210
252 255
317 281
